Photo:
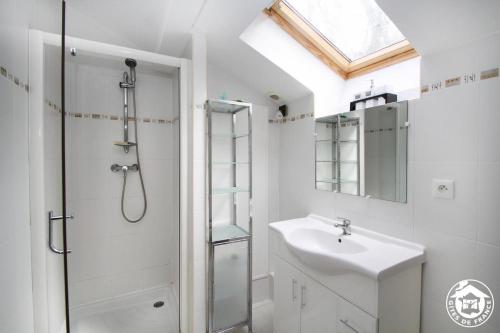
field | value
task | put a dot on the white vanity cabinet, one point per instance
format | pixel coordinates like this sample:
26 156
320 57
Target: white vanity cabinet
326 282
303 305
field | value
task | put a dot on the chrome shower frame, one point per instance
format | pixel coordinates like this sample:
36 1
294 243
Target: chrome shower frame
39 42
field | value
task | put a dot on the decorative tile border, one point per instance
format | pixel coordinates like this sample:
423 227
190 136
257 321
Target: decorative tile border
54 108
292 118
380 130
14 79
460 80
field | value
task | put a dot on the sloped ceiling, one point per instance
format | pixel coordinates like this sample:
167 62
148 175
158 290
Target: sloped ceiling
161 26
164 26
434 25
223 21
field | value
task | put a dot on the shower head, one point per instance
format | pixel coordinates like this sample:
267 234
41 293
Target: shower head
131 63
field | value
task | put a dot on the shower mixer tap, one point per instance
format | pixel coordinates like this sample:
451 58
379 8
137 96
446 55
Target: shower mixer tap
124 168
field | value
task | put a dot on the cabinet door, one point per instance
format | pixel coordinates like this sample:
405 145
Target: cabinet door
286 298
351 319
318 308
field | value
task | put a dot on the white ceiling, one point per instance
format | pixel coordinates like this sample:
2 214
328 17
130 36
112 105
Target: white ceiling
224 21
434 25
164 26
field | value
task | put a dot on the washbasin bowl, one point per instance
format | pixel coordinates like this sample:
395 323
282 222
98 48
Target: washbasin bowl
317 244
319 241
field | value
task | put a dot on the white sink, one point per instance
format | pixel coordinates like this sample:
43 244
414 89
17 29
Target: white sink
316 240
319 245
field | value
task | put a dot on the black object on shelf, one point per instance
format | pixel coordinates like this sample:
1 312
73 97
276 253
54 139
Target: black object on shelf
283 109
389 98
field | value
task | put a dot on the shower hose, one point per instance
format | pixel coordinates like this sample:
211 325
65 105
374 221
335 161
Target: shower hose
139 169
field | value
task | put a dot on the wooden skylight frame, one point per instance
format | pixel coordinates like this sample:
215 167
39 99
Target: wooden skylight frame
313 41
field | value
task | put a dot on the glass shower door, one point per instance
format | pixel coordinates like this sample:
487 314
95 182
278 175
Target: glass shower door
122 158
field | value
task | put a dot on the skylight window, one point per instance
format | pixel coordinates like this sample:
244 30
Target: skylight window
352 37
356 28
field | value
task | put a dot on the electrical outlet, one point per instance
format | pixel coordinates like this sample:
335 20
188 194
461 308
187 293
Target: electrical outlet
443 188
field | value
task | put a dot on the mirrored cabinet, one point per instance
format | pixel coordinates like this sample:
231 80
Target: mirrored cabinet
364 152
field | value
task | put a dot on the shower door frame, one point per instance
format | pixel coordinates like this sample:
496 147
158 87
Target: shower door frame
38 40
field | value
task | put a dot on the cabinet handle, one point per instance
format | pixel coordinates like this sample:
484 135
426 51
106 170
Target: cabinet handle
346 323
303 297
294 289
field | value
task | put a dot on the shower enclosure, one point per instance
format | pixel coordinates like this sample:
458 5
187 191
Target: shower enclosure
95 271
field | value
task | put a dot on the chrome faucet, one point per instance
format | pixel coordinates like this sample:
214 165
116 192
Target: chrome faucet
345 225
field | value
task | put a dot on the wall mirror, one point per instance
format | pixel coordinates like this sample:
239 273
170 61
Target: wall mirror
364 152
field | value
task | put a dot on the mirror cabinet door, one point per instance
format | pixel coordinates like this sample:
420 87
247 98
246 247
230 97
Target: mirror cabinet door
326 153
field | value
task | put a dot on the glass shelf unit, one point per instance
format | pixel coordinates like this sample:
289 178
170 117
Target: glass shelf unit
337 154
229 161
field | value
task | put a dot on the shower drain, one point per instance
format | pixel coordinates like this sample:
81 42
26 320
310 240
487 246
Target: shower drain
158 304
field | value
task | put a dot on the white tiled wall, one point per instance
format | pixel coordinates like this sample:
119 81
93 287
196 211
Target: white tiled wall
16 304
453 135
112 257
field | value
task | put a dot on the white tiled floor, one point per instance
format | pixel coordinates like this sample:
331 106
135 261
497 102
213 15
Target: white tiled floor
132 314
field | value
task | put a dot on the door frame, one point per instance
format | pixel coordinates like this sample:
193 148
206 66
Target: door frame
38 40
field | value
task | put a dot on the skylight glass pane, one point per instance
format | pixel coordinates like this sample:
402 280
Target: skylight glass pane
356 28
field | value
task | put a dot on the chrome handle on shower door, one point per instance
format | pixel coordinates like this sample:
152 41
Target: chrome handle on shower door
52 219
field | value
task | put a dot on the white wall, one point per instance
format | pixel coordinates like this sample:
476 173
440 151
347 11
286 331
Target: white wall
221 83
16 314
276 45
112 257
452 136
404 78
196 228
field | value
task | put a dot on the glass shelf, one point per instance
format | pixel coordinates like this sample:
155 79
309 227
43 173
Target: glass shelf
228 163
327 180
226 233
335 181
228 190
335 141
225 106
345 181
230 136
334 161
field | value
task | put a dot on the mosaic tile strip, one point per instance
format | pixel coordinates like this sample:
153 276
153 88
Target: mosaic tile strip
97 116
290 119
489 74
4 72
465 79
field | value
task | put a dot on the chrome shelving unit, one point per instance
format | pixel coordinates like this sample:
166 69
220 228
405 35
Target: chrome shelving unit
229 301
